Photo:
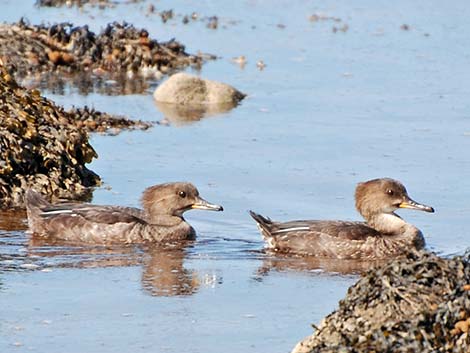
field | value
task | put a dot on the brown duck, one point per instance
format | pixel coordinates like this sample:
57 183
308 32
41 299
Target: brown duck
384 234
160 220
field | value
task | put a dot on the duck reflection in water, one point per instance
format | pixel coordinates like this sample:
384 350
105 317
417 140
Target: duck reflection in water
164 274
13 220
163 270
313 265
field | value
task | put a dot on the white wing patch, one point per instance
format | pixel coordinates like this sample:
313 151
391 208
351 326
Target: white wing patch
51 213
293 229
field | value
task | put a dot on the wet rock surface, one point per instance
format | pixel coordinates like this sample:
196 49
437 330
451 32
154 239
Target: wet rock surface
418 303
40 147
182 88
64 48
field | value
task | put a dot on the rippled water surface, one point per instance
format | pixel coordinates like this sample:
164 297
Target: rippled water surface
329 110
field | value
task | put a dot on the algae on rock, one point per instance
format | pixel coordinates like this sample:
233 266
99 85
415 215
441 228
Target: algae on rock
40 147
63 48
416 303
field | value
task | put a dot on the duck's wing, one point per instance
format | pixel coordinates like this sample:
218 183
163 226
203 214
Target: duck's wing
336 239
332 239
308 228
335 229
320 238
94 213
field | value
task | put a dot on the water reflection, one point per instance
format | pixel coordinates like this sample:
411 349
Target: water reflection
11 220
163 267
180 115
163 271
164 274
284 263
86 83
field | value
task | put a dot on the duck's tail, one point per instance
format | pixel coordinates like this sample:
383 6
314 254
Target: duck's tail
35 203
264 224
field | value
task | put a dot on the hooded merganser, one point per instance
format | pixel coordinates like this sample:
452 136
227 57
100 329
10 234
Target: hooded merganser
383 235
160 220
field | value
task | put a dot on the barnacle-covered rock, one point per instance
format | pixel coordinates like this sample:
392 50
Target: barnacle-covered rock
40 147
417 303
63 48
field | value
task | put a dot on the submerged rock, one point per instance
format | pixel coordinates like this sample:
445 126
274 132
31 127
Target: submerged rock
40 147
182 88
63 48
417 303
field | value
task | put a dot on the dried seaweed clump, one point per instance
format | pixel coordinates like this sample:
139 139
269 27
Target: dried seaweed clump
39 147
418 303
79 3
119 48
96 121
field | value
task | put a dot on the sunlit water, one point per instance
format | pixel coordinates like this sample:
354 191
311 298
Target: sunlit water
329 110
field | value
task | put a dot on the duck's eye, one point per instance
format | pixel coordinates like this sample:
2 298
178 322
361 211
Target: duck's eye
182 194
390 192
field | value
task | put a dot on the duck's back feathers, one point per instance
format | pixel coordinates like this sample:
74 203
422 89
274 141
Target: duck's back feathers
83 222
337 229
319 238
95 213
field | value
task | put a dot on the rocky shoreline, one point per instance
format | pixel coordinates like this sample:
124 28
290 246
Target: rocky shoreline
119 48
416 303
41 147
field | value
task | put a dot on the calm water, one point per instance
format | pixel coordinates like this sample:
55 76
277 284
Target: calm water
329 110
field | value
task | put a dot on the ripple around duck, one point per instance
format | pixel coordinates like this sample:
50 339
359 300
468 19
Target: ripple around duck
21 252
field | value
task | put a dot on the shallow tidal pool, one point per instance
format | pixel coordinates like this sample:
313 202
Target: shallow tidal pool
350 95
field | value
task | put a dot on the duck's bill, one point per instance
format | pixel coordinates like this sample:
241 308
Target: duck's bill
202 204
415 206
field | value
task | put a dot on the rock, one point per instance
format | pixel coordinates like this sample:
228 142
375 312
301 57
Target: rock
120 49
58 3
40 147
182 88
96 121
416 303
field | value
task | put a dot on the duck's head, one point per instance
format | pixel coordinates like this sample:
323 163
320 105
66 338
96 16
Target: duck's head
384 195
173 199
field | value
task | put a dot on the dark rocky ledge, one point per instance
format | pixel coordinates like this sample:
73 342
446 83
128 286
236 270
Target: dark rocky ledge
40 147
417 303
